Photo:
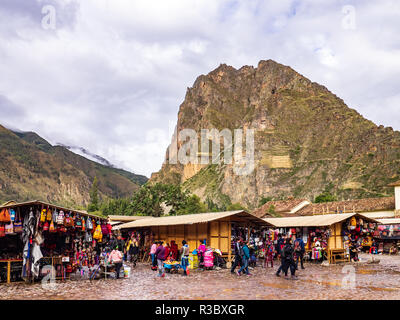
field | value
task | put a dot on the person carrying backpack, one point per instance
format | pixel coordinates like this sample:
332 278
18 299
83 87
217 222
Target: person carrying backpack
245 259
288 259
300 250
238 257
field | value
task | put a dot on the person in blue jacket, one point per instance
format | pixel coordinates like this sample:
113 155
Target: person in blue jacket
245 259
299 249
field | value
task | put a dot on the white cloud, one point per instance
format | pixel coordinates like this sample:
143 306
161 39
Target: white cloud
113 74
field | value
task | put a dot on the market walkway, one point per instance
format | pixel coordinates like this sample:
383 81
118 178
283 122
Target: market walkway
372 281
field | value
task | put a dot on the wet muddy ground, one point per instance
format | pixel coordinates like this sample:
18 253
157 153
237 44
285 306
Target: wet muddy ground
371 281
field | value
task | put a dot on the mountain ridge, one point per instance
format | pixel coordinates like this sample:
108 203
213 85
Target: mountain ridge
307 140
31 168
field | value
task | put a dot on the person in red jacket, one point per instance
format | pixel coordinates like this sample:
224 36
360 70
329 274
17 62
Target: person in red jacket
167 251
174 250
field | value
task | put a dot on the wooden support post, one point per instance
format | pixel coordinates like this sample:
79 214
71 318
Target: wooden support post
229 242
8 271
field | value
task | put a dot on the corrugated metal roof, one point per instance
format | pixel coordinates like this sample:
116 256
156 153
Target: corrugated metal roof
313 221
190 219
389 221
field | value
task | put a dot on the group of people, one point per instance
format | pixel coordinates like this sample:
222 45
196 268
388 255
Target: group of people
290 252
122 251
159 253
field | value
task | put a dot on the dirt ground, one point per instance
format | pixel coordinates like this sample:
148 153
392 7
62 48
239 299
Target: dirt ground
365 281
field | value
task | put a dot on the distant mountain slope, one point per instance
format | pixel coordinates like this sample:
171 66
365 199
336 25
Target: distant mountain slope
31 168
307 140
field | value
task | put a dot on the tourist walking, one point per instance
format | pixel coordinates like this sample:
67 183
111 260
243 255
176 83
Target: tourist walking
238 254
288 259
160 256
185 257
299 249
153 256
115 257
134 251
245 259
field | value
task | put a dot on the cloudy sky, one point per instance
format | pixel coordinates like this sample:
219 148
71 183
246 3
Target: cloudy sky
109 75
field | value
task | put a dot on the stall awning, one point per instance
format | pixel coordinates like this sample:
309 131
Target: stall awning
12 204
115 218
192 219
389 221
314 221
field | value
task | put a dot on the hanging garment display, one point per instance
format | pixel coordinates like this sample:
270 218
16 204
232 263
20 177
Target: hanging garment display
43 216
49 216
60 217
89 224
18 223
55 216
12 215
9 228
5 216
51 227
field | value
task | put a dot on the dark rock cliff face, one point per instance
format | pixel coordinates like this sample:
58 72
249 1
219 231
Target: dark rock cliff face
306 139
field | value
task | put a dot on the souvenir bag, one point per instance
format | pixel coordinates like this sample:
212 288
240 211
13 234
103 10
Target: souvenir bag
43 216
78 223
89 224
18 223
109 226
51 227
55 215
68 221
9 228
94 224
12 215
97 233
83 224
104 229
5 216
46 226
88 237
2 231
60 217
49 216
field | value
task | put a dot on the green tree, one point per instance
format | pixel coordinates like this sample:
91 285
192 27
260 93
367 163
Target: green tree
192 204
264 200
94 196
325 197
234 207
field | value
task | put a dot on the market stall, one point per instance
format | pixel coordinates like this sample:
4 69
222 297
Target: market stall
37 238
215 229
329 236
387 236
